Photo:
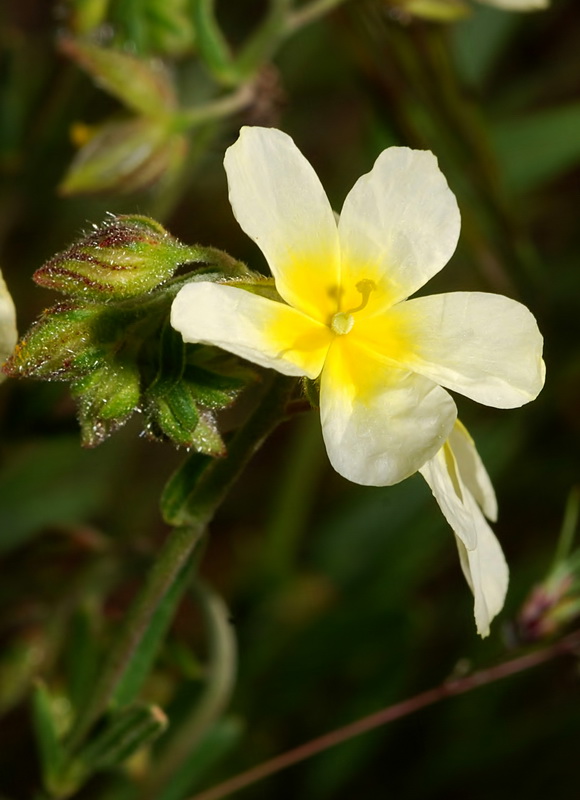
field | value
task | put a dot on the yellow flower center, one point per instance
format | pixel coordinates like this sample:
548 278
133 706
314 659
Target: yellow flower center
342 322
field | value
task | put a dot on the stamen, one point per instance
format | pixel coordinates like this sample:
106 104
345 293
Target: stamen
342 322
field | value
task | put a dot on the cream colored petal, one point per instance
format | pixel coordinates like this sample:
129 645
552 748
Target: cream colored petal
442 477
260 330
279 201
473 471
487 573
380 423
484 346
399 225
518 5
8 333
480 554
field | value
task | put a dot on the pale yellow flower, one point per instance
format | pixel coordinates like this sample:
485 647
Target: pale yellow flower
382 360
8 333
465 495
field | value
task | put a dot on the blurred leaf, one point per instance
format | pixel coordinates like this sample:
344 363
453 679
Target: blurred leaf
142 86
81 657
154 26
216 743
52 756
480 40
535 149
36 488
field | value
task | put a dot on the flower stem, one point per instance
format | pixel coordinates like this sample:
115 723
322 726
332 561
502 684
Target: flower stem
198 505
568 645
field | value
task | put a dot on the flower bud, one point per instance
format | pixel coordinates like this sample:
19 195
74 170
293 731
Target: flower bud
59 346
433 10
124 257
125 156
553 604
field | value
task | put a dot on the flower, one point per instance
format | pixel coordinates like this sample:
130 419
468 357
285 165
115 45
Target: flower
344 316
463 490
8 334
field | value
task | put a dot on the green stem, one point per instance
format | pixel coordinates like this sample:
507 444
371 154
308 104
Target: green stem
215 109
196 507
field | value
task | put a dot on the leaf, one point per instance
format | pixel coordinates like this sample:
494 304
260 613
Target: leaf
535 149
52 755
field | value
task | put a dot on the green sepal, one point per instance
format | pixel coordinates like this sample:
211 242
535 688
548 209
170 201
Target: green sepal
127 255
143 86
106 397
311 390
125 156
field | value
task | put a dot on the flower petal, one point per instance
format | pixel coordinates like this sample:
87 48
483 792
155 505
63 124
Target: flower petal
379 423
8 333
442 477
486 572
484 346
399 225
473 471
480 554
260 330
279 201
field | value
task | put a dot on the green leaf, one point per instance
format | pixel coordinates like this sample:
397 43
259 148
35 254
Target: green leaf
537 148
35 488
52 755
214 746
143 86
479 41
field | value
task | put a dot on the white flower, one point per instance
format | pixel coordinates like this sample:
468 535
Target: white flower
381 359
8 334
462 488
518 5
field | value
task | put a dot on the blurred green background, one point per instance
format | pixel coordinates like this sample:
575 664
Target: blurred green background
343 599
